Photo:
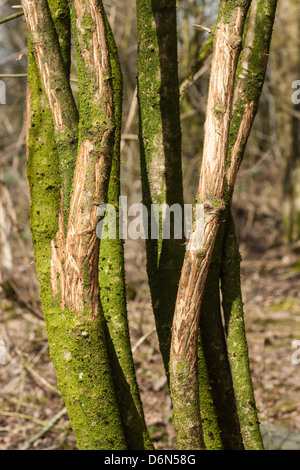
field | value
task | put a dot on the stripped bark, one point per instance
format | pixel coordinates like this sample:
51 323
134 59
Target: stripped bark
75 255
211 191
88 335
53 70
250 78
67 254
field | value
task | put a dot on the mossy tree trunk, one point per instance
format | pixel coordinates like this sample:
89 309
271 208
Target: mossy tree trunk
160 153
250 77
70 159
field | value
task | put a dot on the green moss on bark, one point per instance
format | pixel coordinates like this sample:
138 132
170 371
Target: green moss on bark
209 418
160 151
237 341
254 57
216 357
188 427
77 342
113 291
53 58
96 120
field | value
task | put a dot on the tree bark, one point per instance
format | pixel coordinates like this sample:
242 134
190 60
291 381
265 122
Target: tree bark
211 192
113 290
66 255
228 123
74 167
237 341
160 150
53 64
216 356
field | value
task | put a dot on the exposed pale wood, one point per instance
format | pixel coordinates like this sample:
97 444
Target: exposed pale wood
211 190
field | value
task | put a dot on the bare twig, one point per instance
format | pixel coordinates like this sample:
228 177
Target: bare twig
45 429
199 26
22 300
13 75
142 339
11 17
15 414
41 379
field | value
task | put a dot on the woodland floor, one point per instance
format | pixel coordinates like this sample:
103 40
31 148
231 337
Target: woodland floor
32 412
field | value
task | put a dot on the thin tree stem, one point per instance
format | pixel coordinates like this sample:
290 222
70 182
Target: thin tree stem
113 289
216 356
160 155
236 339
11 17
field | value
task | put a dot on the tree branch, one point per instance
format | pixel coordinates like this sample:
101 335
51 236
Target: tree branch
54 72
11 17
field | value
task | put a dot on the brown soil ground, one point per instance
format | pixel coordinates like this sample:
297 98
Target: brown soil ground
32 412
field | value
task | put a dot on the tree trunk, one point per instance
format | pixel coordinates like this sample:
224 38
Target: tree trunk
236 339
211 191
160 150
233 97
64 216
113 291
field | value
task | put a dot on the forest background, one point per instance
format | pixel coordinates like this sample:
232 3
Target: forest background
267 208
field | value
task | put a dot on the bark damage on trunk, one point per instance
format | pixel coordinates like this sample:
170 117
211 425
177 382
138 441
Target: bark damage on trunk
232 105
80 246
53 70
249 82
75 252
211 192
66 244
